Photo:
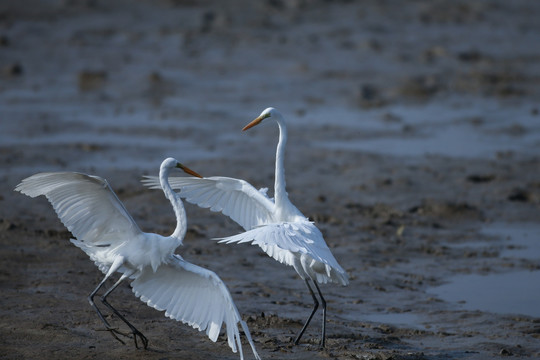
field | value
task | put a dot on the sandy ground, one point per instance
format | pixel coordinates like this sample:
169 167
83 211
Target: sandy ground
413 128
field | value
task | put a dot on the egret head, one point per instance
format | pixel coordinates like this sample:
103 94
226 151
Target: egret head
172 163
267 113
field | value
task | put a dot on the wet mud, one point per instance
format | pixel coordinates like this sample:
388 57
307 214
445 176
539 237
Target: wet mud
414 144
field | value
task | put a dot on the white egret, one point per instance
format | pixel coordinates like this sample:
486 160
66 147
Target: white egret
275 225
105 231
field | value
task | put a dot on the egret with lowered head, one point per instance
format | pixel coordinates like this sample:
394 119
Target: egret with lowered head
105 231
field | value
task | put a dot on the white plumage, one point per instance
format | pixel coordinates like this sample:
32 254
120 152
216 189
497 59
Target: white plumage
104 229
275 225
193 295
285 238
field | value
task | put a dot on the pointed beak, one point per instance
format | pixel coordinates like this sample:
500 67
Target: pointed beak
255 122
188 170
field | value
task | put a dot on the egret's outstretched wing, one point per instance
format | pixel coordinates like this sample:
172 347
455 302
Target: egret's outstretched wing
193 295
85 204
235 198
283 240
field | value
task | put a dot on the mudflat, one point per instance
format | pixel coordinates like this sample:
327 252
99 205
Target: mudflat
414 144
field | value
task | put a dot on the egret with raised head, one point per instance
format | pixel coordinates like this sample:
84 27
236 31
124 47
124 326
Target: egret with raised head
275 225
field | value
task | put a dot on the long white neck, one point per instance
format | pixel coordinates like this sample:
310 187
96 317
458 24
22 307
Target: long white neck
280 194
176 202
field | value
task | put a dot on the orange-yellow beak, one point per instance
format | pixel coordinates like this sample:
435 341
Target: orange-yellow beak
255 122
188 170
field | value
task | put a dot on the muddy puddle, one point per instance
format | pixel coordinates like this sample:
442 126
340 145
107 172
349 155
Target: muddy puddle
512 292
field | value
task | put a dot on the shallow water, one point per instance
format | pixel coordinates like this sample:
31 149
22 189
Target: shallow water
456 130
507 293
516 292
520 240
465 130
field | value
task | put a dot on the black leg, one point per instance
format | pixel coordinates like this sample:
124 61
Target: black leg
114 332
134 330
323 338
315 307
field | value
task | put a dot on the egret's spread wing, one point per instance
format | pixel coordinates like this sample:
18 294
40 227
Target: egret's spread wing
85 204
193 295
300 237
235 198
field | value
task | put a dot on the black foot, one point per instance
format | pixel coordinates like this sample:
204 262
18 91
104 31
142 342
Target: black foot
144 340
115 332
135 334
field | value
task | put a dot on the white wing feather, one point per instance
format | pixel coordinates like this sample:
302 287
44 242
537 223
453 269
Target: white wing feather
85 204
193 295
288 241
89 208
235 198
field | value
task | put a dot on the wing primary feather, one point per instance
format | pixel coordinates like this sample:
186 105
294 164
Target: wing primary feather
201 299
152 182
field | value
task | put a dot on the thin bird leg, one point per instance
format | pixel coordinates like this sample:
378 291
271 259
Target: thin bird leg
315 307
112 330
134 330
323 338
